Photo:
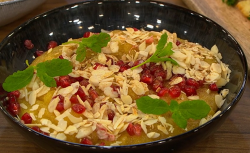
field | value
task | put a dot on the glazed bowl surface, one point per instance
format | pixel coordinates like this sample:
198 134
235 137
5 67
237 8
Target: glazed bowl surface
72 21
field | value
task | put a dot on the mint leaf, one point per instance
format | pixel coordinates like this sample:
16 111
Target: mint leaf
18 79
161 43
174 106
161 52
179 119
167 50
55 67
46 79
149 105
96 42
49 69
195 109
81 53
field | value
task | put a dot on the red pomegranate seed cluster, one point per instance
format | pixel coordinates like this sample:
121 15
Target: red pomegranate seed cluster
12 105
65 81
26 118
123 66
155 77
134 129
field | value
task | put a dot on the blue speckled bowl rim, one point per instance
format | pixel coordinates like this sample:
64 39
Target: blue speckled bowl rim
234 101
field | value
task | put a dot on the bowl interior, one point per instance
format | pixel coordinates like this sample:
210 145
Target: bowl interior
72 21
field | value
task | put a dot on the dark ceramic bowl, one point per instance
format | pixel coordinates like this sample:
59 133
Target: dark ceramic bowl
72 21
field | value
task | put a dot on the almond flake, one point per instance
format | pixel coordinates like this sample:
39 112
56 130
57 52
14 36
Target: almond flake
162 129
34 107
53 103
153 135
33 116
61 136
41 112
71 130
22 105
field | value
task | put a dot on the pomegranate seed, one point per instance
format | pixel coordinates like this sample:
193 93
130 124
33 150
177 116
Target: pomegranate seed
64 81
213 87
182 84
86 141
84 82
157 84
44 133
60 104
36 128
160 73
137 129
150 40
81 94
163 92
52 44
79 79
72 79
14 93
28 44
178 43
61 57
13 108
201 82
192 82
78 108
12 99
130 129
190 90
97 65
174 91
134 129
147 78
120 63
93 94
57 82
26 118
86 34
155 67
111 114
146 71
124 67
38 53
135 29
73 99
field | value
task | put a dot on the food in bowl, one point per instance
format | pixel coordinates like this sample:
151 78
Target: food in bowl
119 88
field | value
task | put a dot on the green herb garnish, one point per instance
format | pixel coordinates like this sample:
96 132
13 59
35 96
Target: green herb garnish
195 109
95 43
45 71
161 52
230 2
